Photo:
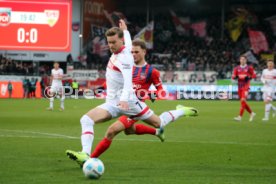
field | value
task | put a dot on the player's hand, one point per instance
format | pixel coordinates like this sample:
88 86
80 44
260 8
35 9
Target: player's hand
123 105
152 96
122 24
247 78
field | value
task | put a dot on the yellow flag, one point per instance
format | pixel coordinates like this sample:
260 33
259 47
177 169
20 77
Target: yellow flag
235 27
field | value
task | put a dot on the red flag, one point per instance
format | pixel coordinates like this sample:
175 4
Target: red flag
258 41
146 34
182 24
199 29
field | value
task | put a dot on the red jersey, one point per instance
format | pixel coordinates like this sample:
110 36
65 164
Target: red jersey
143 77
244 74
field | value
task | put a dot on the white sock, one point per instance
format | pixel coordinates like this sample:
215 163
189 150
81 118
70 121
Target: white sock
62 102
52 102
87 137
267 110
170 116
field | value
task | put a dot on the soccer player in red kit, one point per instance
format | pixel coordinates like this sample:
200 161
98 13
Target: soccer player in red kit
244 73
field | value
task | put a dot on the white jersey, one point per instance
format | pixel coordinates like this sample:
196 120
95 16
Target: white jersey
119 74
269 79
56 74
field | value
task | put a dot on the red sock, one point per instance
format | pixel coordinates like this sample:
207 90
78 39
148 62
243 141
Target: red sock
143 129
242 108
101 147
248 108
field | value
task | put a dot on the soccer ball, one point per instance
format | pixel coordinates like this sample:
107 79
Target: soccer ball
93 168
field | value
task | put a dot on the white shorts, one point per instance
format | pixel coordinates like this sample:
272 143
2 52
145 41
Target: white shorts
56 88
137 110
268 95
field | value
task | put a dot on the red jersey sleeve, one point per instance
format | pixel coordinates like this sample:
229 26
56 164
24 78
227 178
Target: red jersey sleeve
252 73
235 73
157 82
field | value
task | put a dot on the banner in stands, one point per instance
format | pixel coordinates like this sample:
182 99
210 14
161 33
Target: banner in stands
211 92
94 14
18 78
146 34
98 44
189 77
81 75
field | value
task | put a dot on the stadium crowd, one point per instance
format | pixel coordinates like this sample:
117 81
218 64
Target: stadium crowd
8 66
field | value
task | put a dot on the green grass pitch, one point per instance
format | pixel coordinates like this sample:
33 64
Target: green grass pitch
208 149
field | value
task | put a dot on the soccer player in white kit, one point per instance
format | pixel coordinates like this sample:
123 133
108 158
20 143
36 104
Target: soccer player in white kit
121 98
269 80
56 86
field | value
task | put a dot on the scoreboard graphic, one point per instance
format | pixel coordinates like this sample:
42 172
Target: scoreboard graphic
37 25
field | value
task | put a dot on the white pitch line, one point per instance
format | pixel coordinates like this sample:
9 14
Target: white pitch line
61 136
33 137
40 133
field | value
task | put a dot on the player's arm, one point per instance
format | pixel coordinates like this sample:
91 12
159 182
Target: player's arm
235 74
157 82
127 37
251 74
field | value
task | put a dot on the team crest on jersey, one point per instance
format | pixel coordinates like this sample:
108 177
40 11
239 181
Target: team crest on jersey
5 16
142 76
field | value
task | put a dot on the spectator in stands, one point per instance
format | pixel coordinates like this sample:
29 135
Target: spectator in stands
26 87
10 88
32 88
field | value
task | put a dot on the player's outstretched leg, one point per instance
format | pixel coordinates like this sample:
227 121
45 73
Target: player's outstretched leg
170 116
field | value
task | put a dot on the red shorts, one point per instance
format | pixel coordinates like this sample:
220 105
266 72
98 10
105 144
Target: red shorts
127 122
243 93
